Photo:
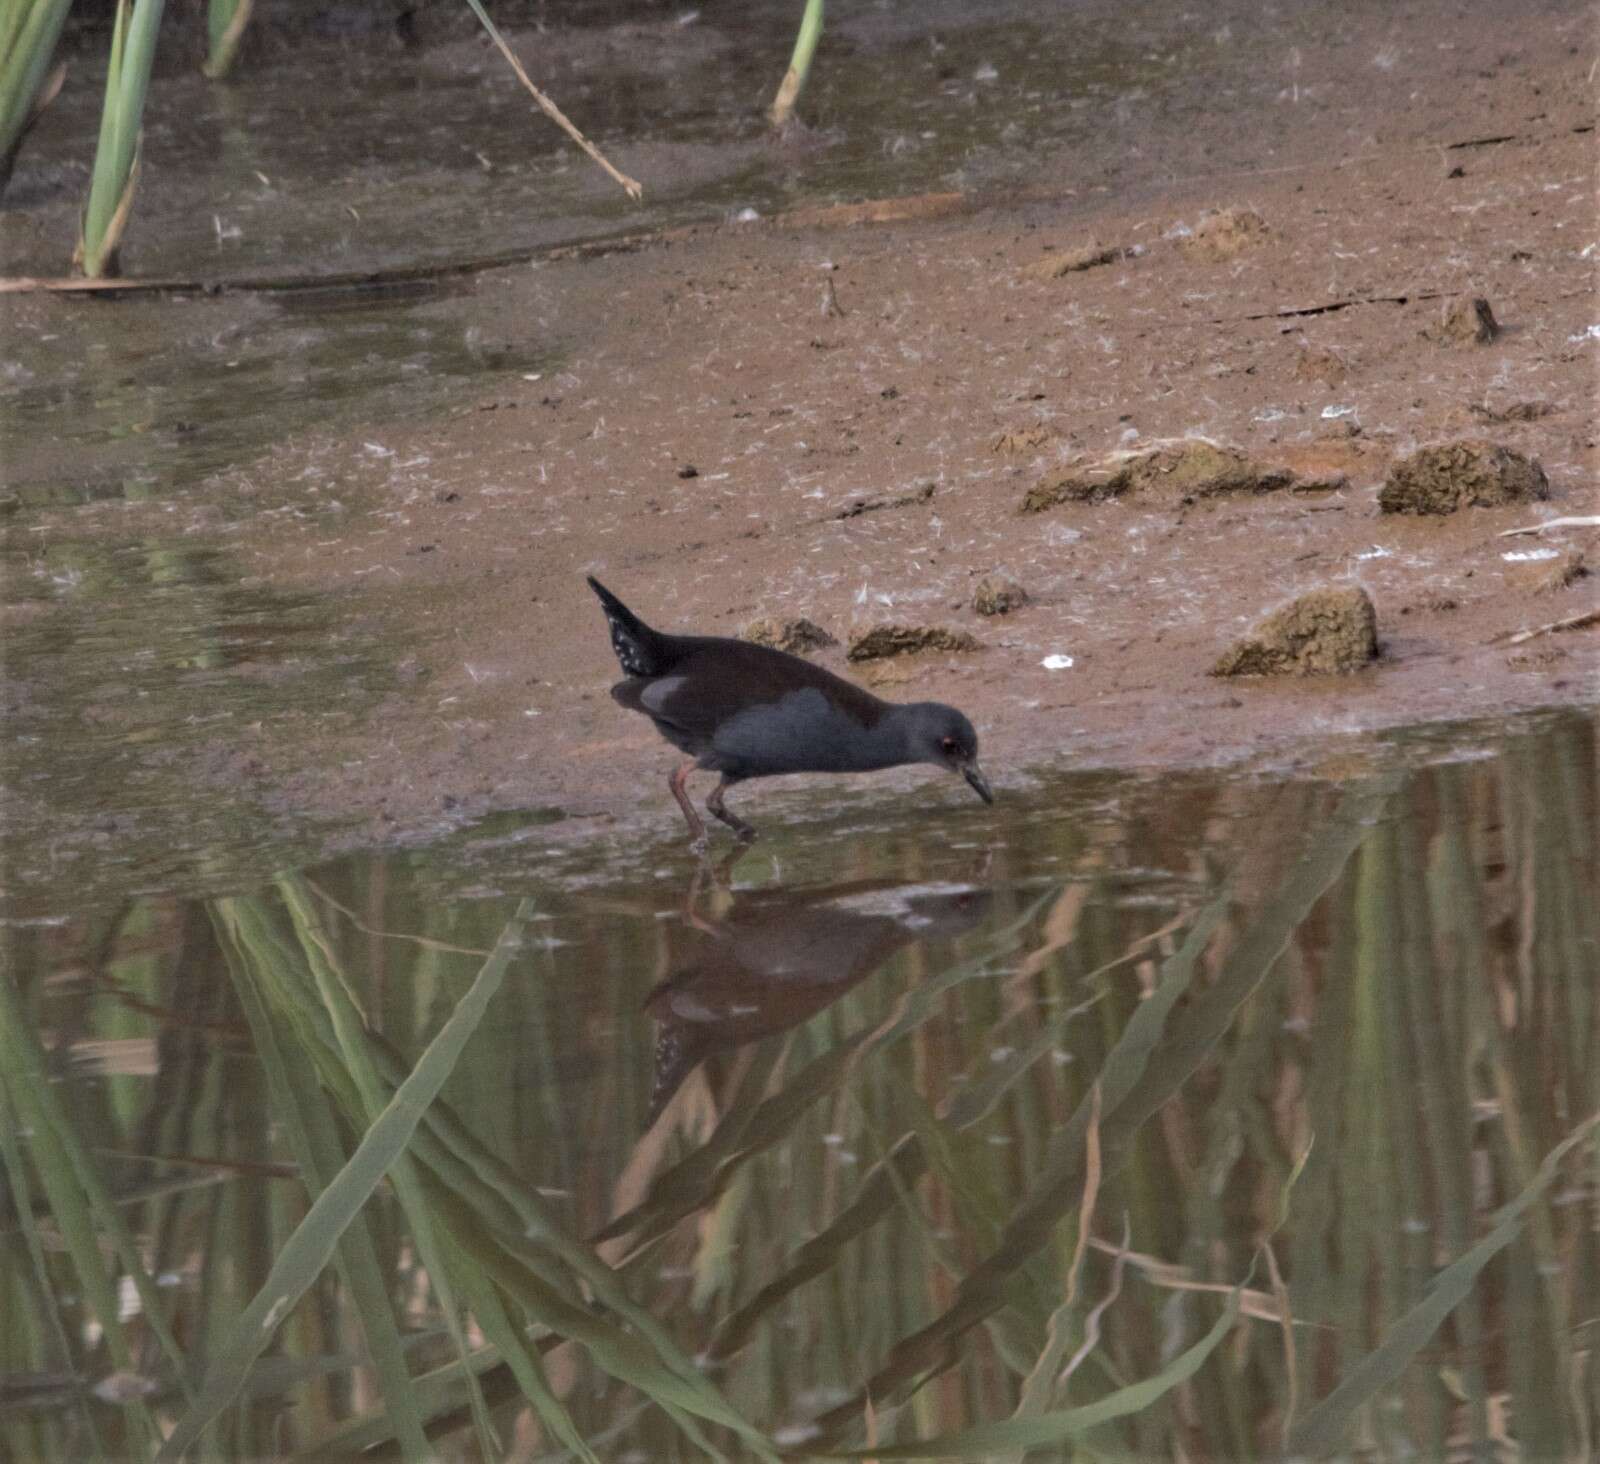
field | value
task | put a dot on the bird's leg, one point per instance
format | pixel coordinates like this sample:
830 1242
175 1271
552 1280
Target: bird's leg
691 914
722 872
677 782
714 876
720 810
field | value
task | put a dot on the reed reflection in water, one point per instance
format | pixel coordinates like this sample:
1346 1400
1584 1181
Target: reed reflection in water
1198 1117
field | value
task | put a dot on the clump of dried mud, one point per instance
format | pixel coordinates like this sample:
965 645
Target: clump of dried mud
1071 261
1469 473
1547 576
1226 233
882 641
1323 632
860 506
1023 440
1319 364
1467 320
796 634
1184 469
998 594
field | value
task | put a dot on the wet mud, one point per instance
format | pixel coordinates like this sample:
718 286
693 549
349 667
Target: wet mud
813 400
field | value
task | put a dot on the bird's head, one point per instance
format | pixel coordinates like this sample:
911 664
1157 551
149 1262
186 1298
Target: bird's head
940 735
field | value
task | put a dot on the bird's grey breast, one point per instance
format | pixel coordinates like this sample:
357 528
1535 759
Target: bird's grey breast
800 732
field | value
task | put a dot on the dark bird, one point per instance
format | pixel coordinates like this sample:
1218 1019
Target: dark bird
747 711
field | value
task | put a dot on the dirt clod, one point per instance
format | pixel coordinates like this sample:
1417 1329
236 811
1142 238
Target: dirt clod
796 634
881 641
1546 576
899 500
1469 473
1324 483
1184 469
997 594
1325 631
1530 411
1319 364
1227 233
896 671
1070 261
1023 440
1468 320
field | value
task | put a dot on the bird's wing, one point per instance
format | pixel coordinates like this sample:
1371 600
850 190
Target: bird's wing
713 680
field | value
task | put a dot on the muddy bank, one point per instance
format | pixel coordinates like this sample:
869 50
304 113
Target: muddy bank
841 423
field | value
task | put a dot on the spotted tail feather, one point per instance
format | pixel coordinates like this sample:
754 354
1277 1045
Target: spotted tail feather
679 1050
639 649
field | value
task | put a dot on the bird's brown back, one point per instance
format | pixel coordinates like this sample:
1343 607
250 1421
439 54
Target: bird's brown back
717 677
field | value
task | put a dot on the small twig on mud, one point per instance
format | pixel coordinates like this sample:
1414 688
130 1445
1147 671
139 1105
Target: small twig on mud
1571 521
1571 622
633 188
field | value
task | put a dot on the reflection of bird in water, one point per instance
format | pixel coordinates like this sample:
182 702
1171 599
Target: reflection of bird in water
784 955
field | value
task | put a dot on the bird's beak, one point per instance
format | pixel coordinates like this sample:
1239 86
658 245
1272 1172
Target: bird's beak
980 784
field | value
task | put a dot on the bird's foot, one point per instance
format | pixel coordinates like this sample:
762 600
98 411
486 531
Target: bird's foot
721 812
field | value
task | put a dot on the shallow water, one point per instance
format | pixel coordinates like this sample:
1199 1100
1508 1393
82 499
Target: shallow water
149 399
821 1127
444 161
323 155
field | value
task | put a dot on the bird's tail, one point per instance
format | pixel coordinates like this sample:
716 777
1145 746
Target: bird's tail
679 1050
640 650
